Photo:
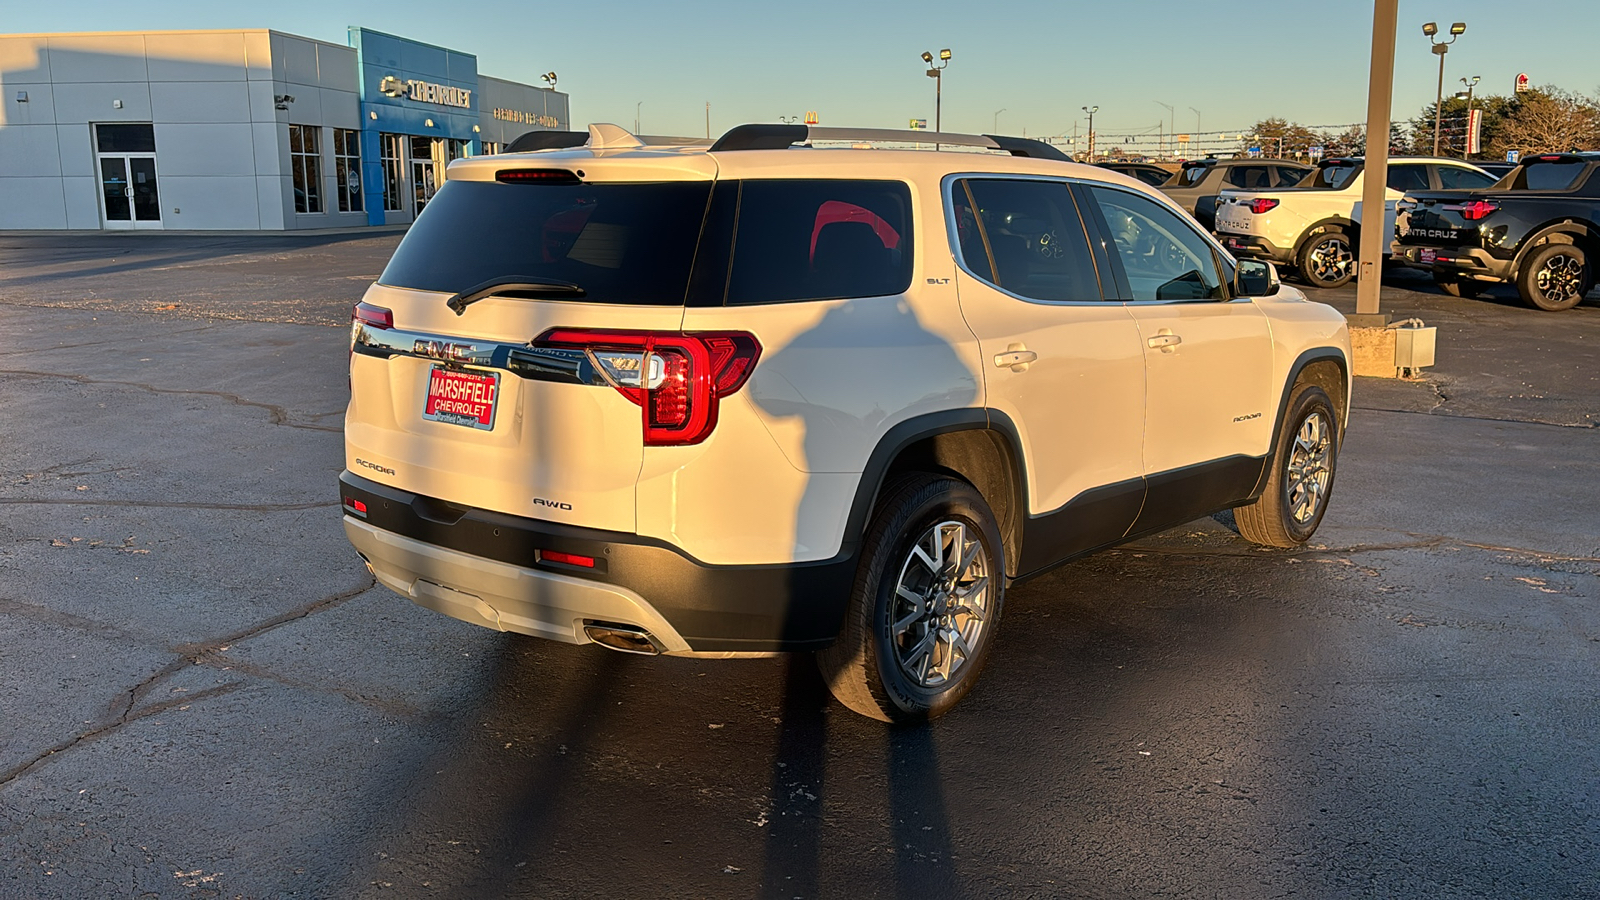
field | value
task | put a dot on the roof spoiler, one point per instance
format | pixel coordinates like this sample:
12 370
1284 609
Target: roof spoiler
782 137
598 137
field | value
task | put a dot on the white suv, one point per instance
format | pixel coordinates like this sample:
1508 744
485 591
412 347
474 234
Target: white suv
1315 226
753 397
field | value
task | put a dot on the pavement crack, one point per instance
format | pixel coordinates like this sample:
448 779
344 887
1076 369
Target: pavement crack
126 710
277 415
1582 426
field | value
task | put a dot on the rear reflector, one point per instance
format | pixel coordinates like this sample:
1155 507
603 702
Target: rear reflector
566 559
537 176
356 506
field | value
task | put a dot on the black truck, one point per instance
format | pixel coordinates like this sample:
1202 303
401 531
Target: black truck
1537 228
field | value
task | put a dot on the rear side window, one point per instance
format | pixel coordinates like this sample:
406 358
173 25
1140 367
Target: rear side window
621 243
1408 178
1456 178
1032 234
820 240
1553 176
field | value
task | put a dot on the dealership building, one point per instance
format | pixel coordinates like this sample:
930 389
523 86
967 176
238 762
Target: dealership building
243 130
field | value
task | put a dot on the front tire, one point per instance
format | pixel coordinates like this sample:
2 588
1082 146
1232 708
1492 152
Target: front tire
1554 277
1303 464
1328 260
925 606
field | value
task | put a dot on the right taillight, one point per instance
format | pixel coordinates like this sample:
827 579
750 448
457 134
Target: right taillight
676 379
1477 209
1260 205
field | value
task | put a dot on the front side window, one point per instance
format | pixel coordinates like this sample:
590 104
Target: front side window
1026 237
347 168
820 240
305 160
1162 257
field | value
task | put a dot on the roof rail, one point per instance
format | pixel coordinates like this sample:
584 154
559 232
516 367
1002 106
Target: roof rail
781 137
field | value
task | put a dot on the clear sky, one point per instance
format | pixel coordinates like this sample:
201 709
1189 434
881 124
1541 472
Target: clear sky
856 62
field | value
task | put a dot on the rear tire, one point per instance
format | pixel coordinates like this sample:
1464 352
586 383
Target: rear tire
1465 288
1303 464
926 603
1554 277
1327 260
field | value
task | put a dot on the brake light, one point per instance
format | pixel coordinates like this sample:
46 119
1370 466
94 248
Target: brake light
1260 205
569 559
676 379
376 316
537 176
1478 209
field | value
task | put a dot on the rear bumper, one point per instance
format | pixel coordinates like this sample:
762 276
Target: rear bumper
486 568
1475 263
1250 246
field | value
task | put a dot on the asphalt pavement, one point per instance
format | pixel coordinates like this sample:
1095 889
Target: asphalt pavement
202 694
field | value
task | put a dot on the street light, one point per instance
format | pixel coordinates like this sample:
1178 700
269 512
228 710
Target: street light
636 108
997 120
1440 48
1171 117
788 120
1091 110
1466 142
550 79
936 72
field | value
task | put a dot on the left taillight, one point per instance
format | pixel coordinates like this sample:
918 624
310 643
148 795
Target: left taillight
675 378
369 316
1477 209
1260 205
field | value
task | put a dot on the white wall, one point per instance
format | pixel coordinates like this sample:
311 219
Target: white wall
222 147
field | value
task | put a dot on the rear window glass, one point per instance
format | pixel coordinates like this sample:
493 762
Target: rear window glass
820 240
1192 175
1334 177
621 243
1553 176
1289 176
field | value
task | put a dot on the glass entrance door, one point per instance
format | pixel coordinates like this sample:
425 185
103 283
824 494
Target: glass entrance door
129 198
422 172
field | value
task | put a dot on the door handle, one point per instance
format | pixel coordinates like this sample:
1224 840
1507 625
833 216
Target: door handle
1016 358
1166 341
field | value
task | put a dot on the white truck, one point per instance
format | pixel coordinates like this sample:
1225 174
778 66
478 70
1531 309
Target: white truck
1315 226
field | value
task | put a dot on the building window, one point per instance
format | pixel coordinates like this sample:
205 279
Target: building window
305 153
490 148
392 162
347 166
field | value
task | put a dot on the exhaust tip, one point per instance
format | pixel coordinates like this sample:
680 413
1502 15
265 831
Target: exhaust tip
622 638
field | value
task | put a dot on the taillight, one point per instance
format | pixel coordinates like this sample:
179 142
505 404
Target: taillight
536 176
365 315
1477 209
1260 205
676 379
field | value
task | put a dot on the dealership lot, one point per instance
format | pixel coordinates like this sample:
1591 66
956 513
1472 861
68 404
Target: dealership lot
204 695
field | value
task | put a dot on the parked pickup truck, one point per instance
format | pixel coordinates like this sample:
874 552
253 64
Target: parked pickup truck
1539 229
1315 226
1200 181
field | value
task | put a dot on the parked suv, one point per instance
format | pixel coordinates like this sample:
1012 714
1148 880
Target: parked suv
1539 229
1315 226
753 397
1200 181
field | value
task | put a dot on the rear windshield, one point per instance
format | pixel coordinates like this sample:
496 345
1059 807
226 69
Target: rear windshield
1334 177
621 243
1192 175
1553 176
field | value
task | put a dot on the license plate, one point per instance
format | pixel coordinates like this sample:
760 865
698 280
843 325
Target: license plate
462 398
1426 255
1235 244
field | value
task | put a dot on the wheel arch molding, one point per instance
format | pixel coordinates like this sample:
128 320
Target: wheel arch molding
1320 227
979 446
1325 367
1583 234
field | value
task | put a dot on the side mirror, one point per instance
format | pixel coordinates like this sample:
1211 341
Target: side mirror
1255 278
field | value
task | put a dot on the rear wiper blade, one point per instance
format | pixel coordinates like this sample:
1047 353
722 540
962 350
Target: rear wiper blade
514 285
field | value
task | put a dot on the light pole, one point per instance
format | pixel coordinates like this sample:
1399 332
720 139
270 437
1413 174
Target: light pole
636 107
550 79
1194 148
1440 48
936 72
997 120
1091 110
1172 117
1466 142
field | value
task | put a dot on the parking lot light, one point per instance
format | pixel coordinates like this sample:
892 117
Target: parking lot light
1091 110
1440 48
936 72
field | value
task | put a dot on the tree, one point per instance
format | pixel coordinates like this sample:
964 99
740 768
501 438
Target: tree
1278 136
1550 120
1453 125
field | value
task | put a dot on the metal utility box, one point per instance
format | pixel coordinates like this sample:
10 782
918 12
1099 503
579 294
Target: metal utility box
1414 346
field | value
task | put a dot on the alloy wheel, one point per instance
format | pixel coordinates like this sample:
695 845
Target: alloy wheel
941 604
1560 279
1332 260
1309 472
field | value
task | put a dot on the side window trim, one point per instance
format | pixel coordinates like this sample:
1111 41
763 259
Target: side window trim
1095 225
983 233
959 179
